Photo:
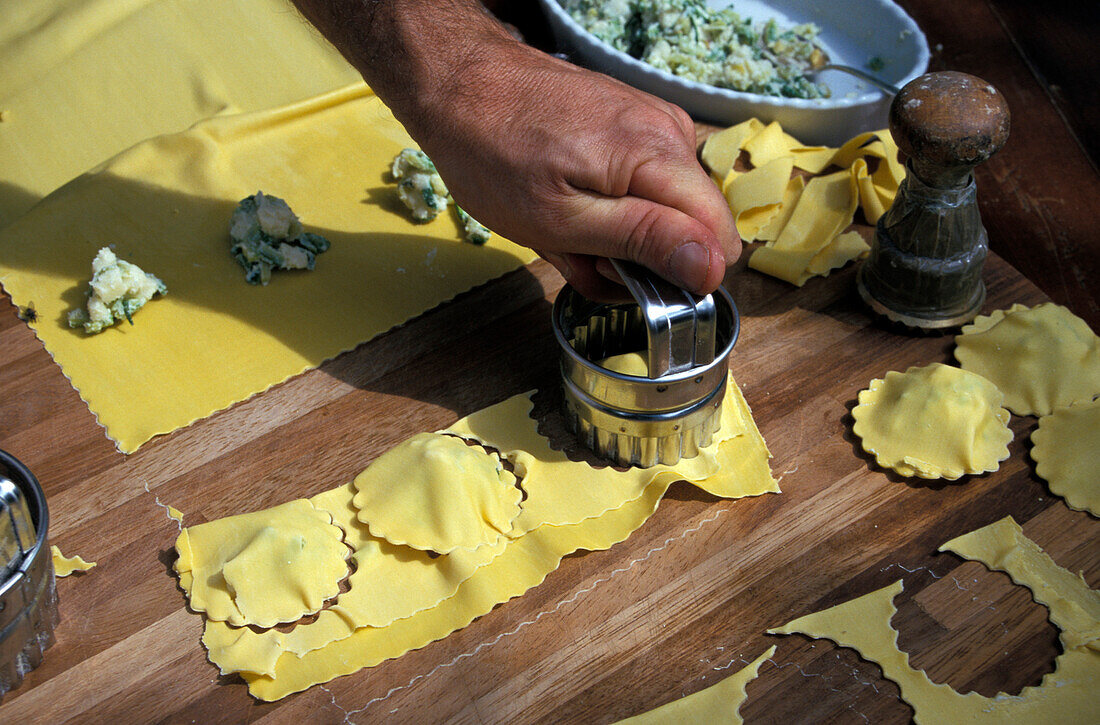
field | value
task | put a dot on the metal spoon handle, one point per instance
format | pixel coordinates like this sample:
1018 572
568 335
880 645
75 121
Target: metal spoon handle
877 82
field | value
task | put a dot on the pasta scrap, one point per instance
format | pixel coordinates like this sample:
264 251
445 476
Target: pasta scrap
1068 694
65 565
800 222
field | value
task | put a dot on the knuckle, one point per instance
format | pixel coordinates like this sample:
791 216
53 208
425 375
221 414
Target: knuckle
655 129
640 235
665 134
654 137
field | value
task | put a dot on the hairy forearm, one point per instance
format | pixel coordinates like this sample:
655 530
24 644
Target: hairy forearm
569 162
413 53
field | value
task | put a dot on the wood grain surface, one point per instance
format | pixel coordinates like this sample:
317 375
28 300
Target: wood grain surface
684 600
688 597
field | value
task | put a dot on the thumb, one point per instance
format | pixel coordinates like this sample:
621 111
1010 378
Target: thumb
673 244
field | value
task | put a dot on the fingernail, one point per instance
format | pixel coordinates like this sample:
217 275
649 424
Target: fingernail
689 264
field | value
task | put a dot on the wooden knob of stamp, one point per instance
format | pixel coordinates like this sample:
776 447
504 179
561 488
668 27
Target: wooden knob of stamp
947 123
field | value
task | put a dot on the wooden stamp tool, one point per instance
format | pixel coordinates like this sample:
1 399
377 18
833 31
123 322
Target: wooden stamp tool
925 266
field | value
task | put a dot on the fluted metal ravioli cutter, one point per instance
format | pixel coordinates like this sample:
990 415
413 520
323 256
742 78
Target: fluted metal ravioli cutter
28 594
686 339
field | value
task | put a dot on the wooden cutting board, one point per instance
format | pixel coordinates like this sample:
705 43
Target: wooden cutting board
683 602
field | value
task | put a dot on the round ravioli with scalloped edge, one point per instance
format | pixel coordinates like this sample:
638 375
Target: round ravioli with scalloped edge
433 492
935 421
1042 358
263 568
1066 451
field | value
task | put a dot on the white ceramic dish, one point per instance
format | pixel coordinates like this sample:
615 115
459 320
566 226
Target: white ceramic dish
852 32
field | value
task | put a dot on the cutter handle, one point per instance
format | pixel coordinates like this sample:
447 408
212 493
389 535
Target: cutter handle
681 327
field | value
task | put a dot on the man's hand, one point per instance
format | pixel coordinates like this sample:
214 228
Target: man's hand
568 162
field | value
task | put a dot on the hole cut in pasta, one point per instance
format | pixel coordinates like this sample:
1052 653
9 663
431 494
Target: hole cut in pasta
952 622
1068 694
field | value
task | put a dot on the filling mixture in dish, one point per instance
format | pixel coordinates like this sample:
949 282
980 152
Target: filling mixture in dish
717 47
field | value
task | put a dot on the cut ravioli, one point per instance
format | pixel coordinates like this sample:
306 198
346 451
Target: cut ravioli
389 583
524 563
1042 358
1066 450
561 491
1069 694
262 568
435 493
401 599
719 703
936 421
272 673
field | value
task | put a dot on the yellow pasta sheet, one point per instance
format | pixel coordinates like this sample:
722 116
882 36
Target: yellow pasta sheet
83 80
1067 695
213 339
401 598
719 703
